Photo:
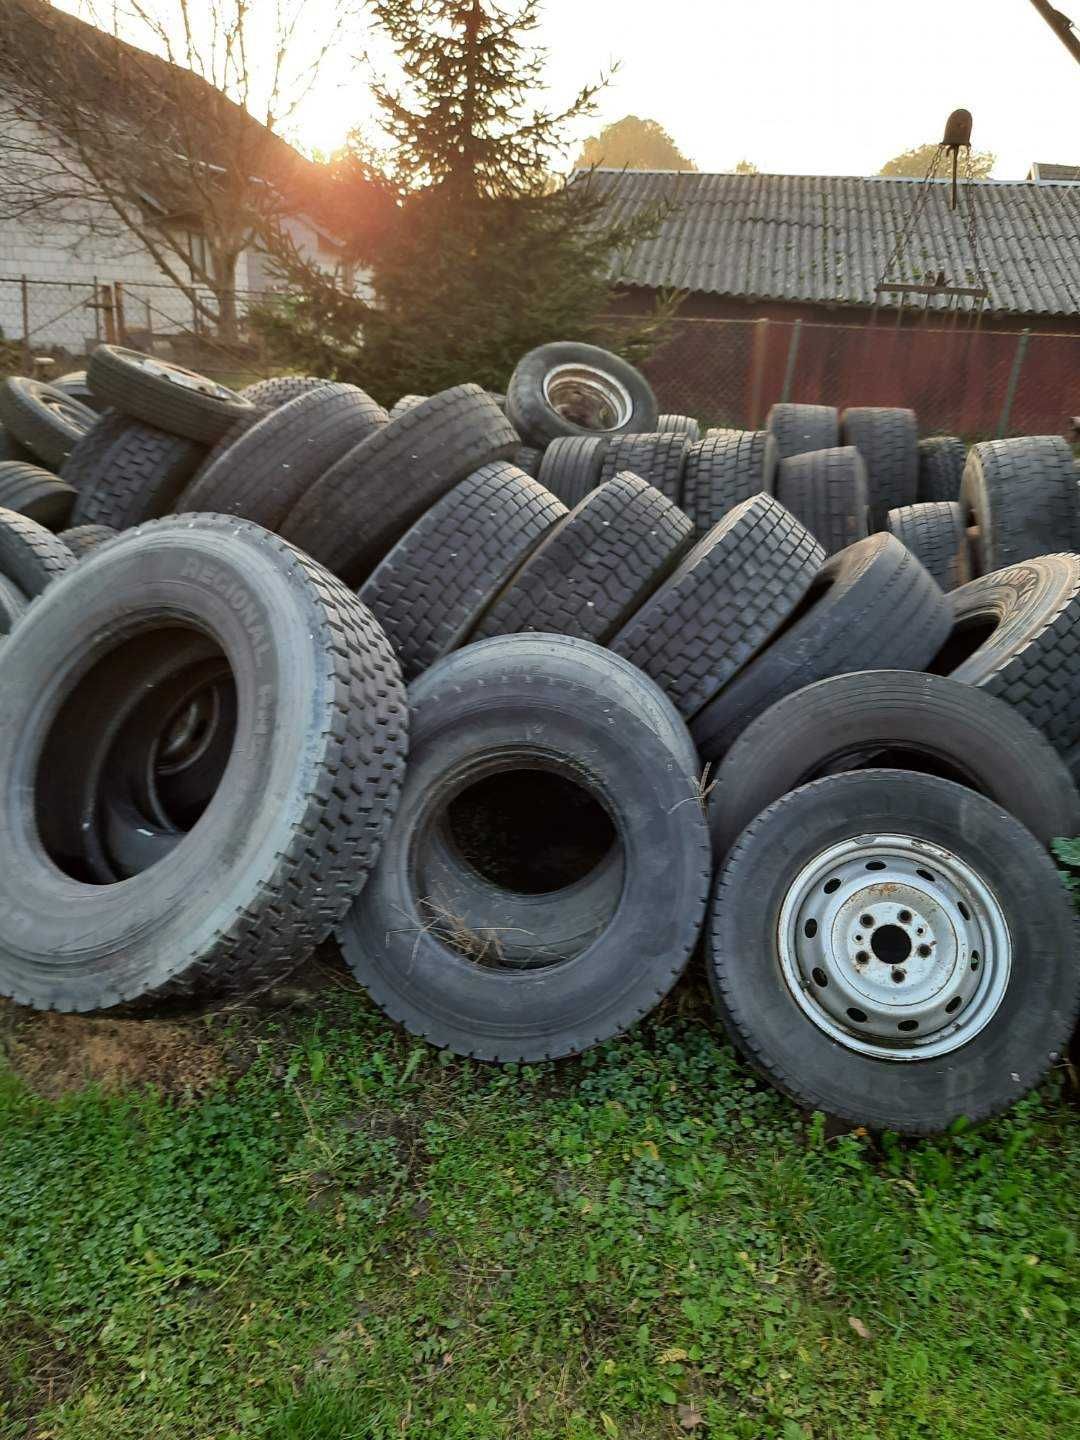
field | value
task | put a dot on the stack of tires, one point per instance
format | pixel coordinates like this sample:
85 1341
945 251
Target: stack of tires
522 697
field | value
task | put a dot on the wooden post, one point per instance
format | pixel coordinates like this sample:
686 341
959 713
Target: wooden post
792 359
759 352
106 294
97 312
118 306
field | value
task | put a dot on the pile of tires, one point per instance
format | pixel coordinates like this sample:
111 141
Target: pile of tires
527 698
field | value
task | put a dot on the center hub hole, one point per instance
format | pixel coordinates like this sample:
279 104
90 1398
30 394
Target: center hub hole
890 944
530 830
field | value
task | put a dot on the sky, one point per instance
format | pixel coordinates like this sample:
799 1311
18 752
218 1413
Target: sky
832 87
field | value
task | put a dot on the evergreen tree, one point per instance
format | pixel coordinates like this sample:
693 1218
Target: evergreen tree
487 256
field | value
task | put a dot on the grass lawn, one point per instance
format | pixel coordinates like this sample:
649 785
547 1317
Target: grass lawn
320 1229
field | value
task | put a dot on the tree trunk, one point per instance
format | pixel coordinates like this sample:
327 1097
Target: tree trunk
224 265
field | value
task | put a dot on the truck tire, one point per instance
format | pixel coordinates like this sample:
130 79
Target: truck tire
826 490
571 389
734 590
569 732
81 539
36 493
888 440
405 404
363 505
278 390
436 582
725 469
571 467
949 1006
84 464
799 428
13 605
870 607
679 425
941 467
656 459
267 470
894 719
594 567
302 808
1022 495
166 396
936 535
140 478
44 420
10 449
30 556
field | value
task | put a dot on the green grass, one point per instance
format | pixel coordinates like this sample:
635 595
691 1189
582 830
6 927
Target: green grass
359 1239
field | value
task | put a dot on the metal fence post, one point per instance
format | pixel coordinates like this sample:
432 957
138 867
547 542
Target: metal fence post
1014 384
28 354
97 312
757 371
792 357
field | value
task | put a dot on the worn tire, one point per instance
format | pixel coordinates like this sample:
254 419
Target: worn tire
36 493
571 467
44 420
528 458
74 383
545 397
267 470
278 390
872 606
1022 495
936 535
800 428
1014 633
725 469
436 582
31 557
594 567
167 396
140 478
656 459
679 425
1028 1031
363 505
826 490
81 539
10 449
888 440
941 467
300 813
405 404
894 719
731 593
86 461
13 605
587 718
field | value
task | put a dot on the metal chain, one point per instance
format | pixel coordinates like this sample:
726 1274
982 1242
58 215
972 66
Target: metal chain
914 216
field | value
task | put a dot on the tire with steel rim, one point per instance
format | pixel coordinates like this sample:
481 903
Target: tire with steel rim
46 421
894 950
160 393
571 389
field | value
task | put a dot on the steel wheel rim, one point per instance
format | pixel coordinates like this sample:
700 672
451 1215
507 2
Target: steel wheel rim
184 379
588 397
923 977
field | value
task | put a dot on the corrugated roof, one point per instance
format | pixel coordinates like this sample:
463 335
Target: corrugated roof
826 239
1042 171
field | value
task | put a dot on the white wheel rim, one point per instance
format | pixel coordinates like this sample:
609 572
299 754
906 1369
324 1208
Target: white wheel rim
589 397
894 947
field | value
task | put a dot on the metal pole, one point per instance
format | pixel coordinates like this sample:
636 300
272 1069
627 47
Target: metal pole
792 356
1061 25
1013 385
757 370
28 355
97 312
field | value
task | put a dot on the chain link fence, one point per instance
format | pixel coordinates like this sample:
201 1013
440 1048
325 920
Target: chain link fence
977 383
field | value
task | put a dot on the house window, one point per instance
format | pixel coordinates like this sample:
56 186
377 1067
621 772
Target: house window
198 252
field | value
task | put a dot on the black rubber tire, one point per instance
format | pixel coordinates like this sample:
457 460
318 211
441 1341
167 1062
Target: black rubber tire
537 420
1030 1029
188 404
300 814
10 449
31 557
725 469
81 539
74 383
87 460
888 440
595 567
436 582
140 478
571 467
894 719
268 469
44 420
528 458
235 432
936 535
656 459
363 505
13 605
1022 495
36 493
1014 633
941 467
405 404
800 428
278 390
731 593
498 707
826 490
872 606
679 425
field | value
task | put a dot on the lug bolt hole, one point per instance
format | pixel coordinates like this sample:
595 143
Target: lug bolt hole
924 951
974 959
830 886
820 978
810 929
899 977
866 921
954 1004
904 917
861 957
858 1016
908 1025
